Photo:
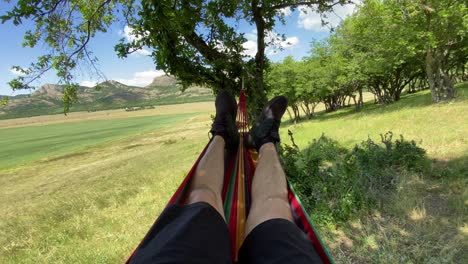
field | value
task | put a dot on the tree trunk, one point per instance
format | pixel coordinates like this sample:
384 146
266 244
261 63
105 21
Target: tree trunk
430 75
259 95
297 116
306 110
439 82
441 85
360 100
312 109
289 113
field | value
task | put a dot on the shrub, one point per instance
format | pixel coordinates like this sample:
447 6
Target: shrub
336 183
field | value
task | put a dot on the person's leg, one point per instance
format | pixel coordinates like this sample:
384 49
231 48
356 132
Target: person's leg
269 190
271 234
196 232
207 183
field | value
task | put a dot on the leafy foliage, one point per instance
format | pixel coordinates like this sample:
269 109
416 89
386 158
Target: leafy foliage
336 183
385 47
197 41
66 27
4 101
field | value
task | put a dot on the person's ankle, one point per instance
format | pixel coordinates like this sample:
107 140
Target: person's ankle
267 146
219 138
266 128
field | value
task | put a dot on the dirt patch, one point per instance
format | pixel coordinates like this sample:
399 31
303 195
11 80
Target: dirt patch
436 205
133 146
66 156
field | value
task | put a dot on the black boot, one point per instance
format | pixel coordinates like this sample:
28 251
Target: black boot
265 129
224 124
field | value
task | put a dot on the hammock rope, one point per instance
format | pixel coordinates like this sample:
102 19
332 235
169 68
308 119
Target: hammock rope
236 193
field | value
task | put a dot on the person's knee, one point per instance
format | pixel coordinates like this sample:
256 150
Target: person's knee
266 209
202 194
273 206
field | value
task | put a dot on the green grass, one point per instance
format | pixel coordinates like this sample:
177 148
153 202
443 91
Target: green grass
439 128
44 109
24 144
425 220
94 204
93 201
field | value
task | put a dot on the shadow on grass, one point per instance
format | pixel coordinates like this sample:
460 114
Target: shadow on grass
383 202
452 168
421 221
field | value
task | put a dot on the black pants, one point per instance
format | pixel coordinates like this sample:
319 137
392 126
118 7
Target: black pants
196 233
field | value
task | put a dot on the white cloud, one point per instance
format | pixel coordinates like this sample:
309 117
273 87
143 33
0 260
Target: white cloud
141 78
142 52
309 19
275 41
130 36
250 47
289 42
16 72
285 11
88 83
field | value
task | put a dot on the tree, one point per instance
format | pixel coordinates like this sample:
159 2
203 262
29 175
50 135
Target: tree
382 47
443 27
330 78
306 92
387 52
196 40
282 79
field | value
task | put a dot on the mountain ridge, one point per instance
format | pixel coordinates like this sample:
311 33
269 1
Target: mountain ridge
109 94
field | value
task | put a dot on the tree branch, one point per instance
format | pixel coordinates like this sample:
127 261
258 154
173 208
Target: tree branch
209 53
306 3
280 6
50 11
37 76
88 37
88 29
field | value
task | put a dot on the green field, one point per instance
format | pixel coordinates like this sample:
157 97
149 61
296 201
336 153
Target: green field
439 128
87 192
25 144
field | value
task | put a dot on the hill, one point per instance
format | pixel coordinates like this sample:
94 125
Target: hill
163 81
106 95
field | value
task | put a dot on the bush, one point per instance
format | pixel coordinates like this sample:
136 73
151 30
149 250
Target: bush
336 183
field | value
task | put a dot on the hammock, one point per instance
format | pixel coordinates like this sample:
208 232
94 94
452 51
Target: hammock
239 170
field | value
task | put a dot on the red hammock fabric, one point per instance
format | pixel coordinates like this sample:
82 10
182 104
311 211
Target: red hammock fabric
239 171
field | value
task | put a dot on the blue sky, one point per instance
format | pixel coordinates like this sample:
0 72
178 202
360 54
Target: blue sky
138 69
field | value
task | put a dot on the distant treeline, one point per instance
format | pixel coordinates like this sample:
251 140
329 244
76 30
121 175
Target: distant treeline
385 47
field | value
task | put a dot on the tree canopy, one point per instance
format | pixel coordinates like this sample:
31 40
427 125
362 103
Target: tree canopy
386 46
197 41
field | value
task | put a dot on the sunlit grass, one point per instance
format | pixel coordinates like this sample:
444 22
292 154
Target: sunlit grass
24 144
424 222
92 202
94 206
440 128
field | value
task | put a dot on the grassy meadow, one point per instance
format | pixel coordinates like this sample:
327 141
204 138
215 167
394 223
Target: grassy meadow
426 220
30 143
86 188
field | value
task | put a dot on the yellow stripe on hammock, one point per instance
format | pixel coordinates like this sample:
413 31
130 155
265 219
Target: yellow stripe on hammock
241 215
